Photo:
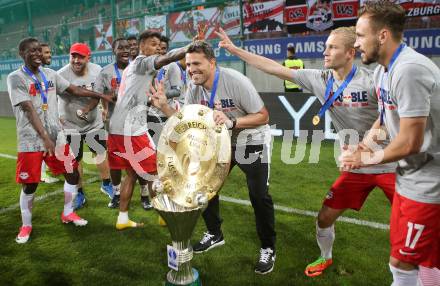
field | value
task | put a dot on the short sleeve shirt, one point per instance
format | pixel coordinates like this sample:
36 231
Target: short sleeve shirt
130 114
172 80
412 89
68 104
22 88
355 109
236 96
107 83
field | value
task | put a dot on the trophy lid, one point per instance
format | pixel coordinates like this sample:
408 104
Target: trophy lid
193 156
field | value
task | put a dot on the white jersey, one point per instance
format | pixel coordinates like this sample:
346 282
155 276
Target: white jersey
22 88
130 114
412 89
69 104
354 109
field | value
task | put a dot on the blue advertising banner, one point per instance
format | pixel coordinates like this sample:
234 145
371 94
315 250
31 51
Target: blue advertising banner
425 41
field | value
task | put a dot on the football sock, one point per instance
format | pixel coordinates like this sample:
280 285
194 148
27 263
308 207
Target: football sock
404 277
123 217
70 192
117 189
325 238
429 276
26 203
144 191
43 167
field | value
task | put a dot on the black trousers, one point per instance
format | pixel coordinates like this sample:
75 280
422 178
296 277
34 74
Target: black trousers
155 126
95 139
292 89
253 160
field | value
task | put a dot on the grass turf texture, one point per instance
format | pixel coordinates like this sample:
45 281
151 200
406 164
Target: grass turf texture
98 254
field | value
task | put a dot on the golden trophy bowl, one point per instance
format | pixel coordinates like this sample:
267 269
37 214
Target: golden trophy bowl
193 160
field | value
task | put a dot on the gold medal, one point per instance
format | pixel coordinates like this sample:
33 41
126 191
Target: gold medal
316 120
44 106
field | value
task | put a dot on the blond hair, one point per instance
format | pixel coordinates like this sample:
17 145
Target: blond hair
349 35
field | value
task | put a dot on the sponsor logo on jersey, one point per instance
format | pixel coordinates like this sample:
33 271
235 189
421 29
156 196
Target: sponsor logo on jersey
385 94
33 91
114 84
24 175
90 86
329 195
352 99
224 105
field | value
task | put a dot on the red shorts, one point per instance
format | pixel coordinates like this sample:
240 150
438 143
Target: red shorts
351 190
29 165
140 155
415 232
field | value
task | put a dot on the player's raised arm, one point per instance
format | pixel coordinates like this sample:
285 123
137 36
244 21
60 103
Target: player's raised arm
172 56
82 92
177 54
262 63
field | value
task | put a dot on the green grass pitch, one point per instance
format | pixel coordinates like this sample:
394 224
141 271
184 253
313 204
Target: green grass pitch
98 254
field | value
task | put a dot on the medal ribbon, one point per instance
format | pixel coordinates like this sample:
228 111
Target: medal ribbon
214 88
388 70
329 101
118 74
182 73
160 74
37 82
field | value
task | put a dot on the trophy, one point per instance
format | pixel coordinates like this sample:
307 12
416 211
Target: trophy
193 160
201 30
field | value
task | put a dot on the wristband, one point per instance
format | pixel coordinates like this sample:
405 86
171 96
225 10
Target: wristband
234 122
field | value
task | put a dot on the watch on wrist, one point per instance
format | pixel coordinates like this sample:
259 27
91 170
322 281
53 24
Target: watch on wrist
234 122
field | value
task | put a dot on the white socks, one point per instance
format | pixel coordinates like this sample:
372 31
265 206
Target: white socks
70 192
404 277
123 217
117 189
325 238
26 203
144 191
429 276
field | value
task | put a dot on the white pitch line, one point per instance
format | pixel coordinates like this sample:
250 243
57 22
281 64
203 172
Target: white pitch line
42 197
371 224
8 156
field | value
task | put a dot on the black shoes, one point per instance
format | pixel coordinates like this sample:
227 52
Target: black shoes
266 262
208 242
114 203
145 202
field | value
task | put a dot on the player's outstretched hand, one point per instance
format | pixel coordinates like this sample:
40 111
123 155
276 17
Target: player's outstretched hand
157 94
225 41
221 118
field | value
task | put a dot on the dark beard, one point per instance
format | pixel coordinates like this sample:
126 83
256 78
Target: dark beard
374 57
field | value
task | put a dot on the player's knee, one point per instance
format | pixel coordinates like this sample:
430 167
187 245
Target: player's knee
324 219
72 178
29 189
327 216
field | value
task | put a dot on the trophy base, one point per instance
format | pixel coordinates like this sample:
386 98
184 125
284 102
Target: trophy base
196 282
